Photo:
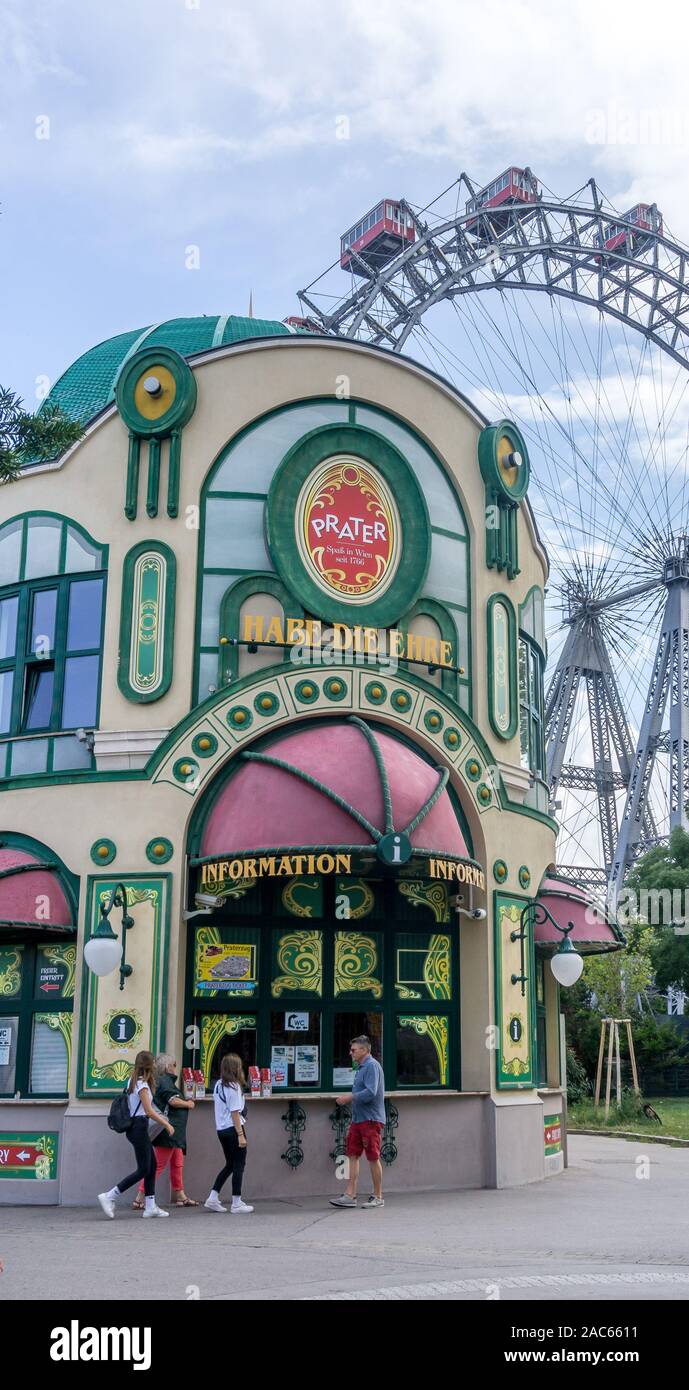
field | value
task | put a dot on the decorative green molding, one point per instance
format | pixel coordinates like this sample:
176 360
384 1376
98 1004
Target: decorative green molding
532 618
504 463
503 681
412 545
433 608
230 608
105 1060
515 1050
156 397
147 622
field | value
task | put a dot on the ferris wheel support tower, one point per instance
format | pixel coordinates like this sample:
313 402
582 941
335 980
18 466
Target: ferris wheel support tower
670 675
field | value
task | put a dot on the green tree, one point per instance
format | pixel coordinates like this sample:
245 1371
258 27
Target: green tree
31 438
665 871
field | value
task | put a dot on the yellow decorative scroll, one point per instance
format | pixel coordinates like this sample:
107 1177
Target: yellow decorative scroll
356 961
300 957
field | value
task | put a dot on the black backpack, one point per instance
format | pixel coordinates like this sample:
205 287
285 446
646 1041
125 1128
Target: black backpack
119 1118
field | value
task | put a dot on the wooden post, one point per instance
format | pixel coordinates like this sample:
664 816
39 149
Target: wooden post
599 1069
632 1056
608 1078
618 1069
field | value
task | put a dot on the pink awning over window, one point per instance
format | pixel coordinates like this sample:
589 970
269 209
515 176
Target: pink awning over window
267 807
593 932
31 893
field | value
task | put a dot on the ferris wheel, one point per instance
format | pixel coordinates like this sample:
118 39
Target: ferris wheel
573 320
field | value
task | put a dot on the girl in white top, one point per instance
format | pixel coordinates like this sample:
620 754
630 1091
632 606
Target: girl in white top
141 1110
228 1098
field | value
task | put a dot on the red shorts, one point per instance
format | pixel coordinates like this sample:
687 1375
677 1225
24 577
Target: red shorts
364 1136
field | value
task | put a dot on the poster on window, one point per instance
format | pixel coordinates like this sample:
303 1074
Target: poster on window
305 1062
280 1058
5 1044
231 968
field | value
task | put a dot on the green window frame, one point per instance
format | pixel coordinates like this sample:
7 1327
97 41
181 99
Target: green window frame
29 669
541 1032
531 722
26 1003
436 1019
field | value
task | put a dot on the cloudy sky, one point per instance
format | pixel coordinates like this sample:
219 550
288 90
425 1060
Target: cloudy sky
129 132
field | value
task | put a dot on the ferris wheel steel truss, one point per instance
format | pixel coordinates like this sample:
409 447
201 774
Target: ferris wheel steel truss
557 247
548 246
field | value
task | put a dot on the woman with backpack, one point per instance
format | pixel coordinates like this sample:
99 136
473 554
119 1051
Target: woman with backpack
170 1148
139 1102
228 1097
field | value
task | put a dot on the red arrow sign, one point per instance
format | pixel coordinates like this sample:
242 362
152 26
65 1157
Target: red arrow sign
18 1155
46 988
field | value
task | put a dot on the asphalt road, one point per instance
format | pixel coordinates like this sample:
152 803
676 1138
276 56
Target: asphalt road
614 1225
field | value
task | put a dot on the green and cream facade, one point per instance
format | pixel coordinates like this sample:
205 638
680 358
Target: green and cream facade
271 657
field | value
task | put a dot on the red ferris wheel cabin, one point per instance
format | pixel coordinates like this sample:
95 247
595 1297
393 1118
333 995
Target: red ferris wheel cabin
514 187
377 238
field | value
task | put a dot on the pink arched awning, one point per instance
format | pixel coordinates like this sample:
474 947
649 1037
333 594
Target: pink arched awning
31 894
268 807
593 933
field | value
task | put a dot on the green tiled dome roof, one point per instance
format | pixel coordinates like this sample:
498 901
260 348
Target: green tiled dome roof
89 384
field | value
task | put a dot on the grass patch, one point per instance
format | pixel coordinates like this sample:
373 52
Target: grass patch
673 1111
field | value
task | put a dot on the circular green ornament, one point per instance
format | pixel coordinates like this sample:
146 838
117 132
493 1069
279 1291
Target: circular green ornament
205 745
524 876
185 770
239 717
155 392
504 461
159 850
500 871
307 691
103 851
266 703
376 693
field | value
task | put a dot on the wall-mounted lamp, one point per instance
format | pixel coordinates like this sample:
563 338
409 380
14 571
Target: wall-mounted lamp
566 964
103 952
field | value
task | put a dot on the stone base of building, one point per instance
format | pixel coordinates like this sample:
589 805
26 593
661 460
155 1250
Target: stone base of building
443 1142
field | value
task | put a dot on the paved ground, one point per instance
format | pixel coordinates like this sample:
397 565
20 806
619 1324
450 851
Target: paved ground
595 1232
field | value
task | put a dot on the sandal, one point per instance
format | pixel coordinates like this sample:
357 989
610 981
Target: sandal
184 1201
138 1203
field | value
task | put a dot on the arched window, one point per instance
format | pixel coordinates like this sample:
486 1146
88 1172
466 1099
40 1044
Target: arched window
52 603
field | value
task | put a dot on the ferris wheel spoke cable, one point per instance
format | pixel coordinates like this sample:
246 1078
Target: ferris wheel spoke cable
529 379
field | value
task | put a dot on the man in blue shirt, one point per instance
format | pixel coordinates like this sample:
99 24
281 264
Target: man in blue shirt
368 1121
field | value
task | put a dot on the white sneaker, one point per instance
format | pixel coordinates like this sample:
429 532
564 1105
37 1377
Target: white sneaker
155 1211
107 1204
240 1206
213 1203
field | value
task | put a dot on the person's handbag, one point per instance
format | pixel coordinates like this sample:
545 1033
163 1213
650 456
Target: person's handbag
119 1118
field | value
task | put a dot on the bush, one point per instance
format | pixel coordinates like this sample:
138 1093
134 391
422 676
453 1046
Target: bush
578 1085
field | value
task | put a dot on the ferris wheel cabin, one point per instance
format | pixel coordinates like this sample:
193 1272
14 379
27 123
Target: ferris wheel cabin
513 188
622 237
380 236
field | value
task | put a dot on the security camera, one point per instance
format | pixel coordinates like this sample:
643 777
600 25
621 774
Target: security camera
206 900
478 913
